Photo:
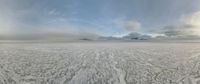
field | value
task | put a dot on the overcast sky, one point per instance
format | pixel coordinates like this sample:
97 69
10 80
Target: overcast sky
104 17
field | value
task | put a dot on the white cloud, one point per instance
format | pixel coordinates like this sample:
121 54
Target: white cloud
192 23
137 36
20 22
129 25
132 25
188 26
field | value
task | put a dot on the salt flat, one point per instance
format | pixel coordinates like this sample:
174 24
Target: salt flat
100 63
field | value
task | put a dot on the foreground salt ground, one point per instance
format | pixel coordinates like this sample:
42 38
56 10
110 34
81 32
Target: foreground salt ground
100 63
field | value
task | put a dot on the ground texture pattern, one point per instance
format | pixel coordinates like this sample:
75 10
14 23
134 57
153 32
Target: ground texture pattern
100 63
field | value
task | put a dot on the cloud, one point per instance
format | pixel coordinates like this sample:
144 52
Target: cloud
6 17
5 26
187 27
132 25
27 21
136 36
133 36
50 32
129 25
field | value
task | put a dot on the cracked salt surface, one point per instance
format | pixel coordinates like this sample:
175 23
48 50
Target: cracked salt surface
100 63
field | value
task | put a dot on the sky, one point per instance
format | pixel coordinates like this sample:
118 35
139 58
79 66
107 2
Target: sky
71 18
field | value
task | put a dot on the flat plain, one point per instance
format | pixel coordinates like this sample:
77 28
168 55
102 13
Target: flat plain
100 63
